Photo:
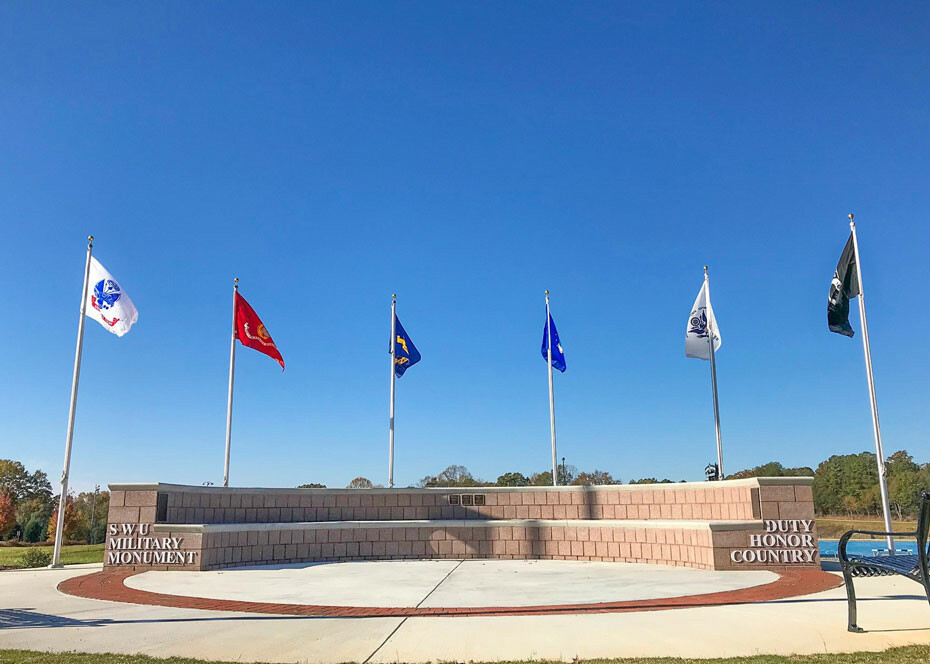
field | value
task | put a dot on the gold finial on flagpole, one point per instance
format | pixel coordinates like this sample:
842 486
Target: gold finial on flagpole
850 216
90 239
705 269
547 292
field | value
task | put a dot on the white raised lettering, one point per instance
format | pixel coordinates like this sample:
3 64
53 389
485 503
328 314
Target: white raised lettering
128 528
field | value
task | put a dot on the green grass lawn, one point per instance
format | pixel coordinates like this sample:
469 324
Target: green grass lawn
834 527
70 555
907 655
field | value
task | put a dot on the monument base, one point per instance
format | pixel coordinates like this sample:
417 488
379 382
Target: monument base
758 523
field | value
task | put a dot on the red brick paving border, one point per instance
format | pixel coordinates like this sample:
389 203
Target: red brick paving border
108 585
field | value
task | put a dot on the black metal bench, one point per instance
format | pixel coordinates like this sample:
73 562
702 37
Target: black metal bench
913 567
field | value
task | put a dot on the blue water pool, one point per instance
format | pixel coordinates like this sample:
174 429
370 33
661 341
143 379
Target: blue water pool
864 547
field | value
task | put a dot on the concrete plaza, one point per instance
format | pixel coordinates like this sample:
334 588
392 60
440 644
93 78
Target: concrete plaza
34 614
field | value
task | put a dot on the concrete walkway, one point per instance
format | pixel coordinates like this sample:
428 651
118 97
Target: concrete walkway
34 615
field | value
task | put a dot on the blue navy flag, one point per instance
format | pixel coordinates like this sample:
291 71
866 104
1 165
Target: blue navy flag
405 353
558 357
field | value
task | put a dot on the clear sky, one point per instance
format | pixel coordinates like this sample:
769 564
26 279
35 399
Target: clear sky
466 156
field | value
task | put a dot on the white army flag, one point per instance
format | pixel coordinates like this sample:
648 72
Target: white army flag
107 302
701 324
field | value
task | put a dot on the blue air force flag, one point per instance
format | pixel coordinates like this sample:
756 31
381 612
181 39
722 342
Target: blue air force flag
405 353
107 303
702 325
558 356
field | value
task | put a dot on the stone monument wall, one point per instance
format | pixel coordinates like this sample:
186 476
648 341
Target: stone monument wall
759 523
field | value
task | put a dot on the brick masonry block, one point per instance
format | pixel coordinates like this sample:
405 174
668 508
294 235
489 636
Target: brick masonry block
770 510
794 510
123 515
140 498
776 493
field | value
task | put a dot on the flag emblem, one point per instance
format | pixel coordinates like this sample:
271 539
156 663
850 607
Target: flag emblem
699 325
261 335
106 293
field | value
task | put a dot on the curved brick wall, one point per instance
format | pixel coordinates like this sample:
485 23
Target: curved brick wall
693 524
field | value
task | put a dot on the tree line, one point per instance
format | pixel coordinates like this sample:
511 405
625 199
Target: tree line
29 509
847 484
844 484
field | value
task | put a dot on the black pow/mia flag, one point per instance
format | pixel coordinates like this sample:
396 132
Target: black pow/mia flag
845 286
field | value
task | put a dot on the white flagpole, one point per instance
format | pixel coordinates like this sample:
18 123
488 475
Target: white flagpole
876 429
713 376
393 347
232 371
555 476
63 498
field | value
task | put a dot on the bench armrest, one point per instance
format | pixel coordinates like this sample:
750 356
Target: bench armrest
882 533
844 540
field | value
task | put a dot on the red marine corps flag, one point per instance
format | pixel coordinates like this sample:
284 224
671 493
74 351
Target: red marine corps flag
248 328
251 331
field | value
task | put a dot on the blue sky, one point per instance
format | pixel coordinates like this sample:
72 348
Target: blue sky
466 156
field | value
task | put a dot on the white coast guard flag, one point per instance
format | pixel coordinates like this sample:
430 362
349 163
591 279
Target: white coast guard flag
107 302
701 323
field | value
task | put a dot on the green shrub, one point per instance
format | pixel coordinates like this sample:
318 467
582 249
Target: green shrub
35 531
34 557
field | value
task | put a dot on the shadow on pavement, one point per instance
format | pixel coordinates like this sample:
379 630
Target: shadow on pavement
29 619
26 618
